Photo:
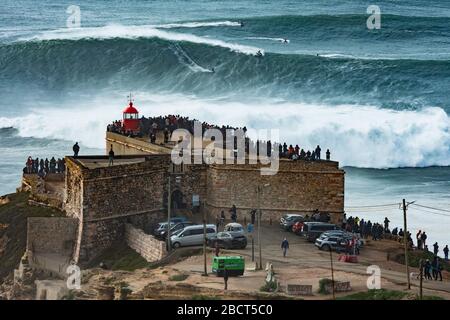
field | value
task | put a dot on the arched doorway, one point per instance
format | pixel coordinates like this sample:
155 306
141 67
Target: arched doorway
177 200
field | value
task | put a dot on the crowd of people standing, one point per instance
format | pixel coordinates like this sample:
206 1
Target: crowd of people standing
431 268
43 167
169 123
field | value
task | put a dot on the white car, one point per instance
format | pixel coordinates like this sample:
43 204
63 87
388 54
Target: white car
234 228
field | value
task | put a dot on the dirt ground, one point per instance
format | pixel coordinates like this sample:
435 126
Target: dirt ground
304 264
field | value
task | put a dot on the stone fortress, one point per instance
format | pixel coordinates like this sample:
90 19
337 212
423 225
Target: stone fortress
104 202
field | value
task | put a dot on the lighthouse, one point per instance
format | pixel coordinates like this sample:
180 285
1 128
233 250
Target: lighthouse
130 122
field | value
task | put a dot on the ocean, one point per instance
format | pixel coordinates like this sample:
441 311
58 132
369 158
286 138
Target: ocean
378 99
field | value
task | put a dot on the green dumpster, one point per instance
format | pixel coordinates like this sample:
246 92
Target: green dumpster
235 265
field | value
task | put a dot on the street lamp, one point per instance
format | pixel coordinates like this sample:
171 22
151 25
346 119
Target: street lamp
169 202
259 190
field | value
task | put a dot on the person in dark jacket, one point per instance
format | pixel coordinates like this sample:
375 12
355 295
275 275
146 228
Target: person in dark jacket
225 278
424 237
435 248
285 246
76 149
217 249
386 224
111 156
427 269
446 252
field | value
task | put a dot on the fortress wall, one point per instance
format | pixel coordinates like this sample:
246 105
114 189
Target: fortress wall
298 187
54 235
113 196
123 145
192 182
126 189
73 193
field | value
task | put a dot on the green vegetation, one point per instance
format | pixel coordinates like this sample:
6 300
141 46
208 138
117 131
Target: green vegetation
124 290
374 294
323 283
178 277
269 287
13 230
415 256
69 296
120 257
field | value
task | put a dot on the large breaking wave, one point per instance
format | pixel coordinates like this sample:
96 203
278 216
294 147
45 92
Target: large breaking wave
357 136
374 113
153 64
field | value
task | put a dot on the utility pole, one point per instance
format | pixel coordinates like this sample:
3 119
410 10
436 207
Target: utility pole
169 203
205 270
253 249
332 274
405 240
421 280
259 227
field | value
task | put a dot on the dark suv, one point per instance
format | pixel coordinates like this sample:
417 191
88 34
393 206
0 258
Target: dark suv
312 230
228 240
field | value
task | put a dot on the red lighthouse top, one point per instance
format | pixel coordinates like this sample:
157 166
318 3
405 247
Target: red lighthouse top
130 118
130 109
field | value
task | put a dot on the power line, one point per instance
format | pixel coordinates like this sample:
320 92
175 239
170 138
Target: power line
431 212
415 204
376 205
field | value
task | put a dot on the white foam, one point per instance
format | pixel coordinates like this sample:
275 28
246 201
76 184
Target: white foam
199 24
134 32
268 38
356 135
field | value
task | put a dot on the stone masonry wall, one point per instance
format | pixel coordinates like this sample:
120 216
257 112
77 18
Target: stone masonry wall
298 187
124 189
55 235
192 182
106 198
146 245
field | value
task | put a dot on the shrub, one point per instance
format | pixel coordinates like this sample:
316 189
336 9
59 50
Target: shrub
124 290
269 287
323 284
178 277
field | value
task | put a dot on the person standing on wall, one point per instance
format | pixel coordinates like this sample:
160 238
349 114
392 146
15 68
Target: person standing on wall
76 149
111 157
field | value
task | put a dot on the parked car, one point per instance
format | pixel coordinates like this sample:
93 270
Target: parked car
228 240
335 242
161 227
312 230
179 226
234 228
297 228
176 220
288 220
343 233
192 235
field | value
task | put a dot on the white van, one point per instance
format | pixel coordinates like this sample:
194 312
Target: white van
192 235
